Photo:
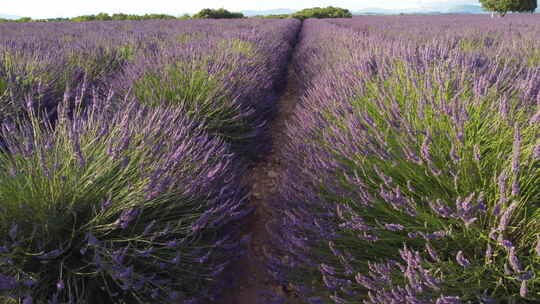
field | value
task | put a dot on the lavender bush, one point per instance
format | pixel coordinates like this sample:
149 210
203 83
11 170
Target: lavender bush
229 80
128 190
129 205
413 167
236 67
42 71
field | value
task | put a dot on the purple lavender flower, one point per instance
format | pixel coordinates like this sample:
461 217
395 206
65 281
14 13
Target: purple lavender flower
507 244
315 300
497 208
127 216
13 231
149 227
505 218
432 253
453 154
449 300
60 285
174 295
489 254
330 282
523 291
424 151
430 280
92 240
526 276
502 186
119 256
204 258
410 186
515 187
51 254
513 260
172 244
394 227
365 281
326 269
535 119
27 300
125 273
107 203
440 208
7 283
536 151
462 261
177 258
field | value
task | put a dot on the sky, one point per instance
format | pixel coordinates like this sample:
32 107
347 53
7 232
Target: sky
70 8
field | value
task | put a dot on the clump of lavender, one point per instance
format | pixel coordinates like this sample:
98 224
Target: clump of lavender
228 81
118 203
199 92
409 182
42 71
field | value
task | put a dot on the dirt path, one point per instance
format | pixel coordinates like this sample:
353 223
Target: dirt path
254 282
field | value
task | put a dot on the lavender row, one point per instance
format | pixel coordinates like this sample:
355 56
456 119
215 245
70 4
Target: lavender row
238 72
239 63
413 164
110 195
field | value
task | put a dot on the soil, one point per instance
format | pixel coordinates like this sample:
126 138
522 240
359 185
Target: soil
255 283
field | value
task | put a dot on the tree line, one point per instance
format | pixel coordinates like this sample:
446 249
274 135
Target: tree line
100 17
207 13
503 7
500 7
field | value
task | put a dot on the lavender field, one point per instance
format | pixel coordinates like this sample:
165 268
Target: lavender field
413 166
123 146
401 158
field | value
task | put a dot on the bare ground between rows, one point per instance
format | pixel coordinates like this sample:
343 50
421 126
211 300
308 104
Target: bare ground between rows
253 280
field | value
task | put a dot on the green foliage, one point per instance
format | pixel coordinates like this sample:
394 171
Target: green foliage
464 161
534 59
189 85
471 45
81 175
220 13
121 16
185 38
322 12
278 16
102 17
239 46
20 20
502 7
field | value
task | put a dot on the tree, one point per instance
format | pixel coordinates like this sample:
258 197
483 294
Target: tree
220 13
103 17
25 19
502 7
326 12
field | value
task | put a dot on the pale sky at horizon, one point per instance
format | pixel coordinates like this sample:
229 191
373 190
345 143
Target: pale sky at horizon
70 8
